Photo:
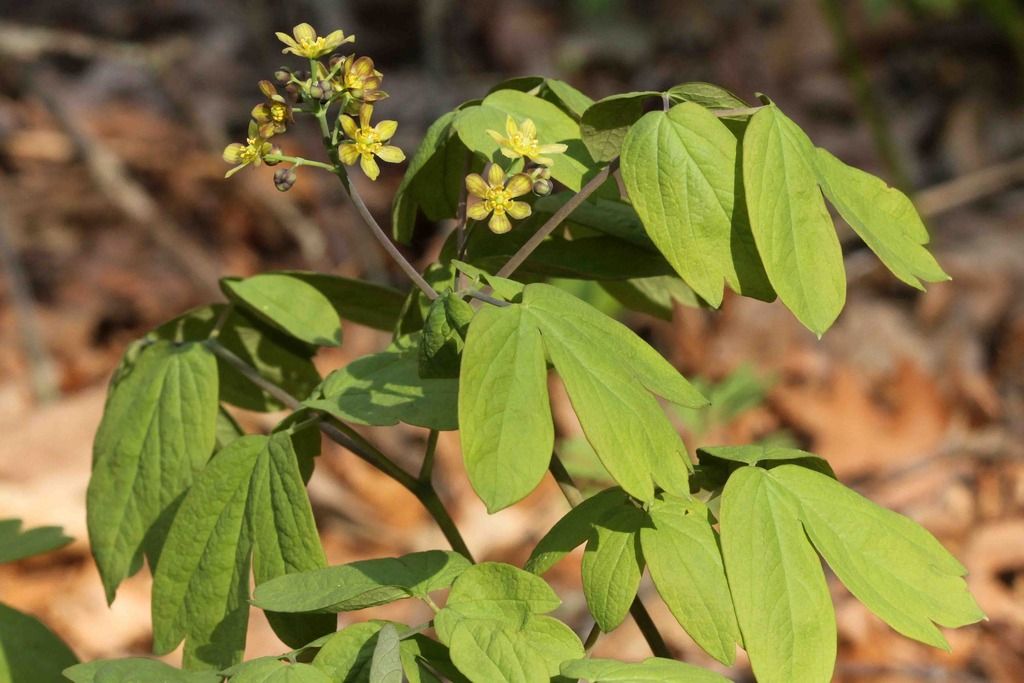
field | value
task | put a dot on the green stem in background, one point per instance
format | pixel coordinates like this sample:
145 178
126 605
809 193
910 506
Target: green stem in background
350 439
640 614
864 94
427 468
556 220
298 161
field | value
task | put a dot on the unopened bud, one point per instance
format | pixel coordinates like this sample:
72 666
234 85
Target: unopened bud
275 151
302 75
326 89
283 75
316 92
284 178
542 187
335 58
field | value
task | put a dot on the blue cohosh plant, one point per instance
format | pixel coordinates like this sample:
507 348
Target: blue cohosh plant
661 197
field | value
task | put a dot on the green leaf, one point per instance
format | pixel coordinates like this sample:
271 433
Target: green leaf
444 336
573 529
361 584
792 228
273 670
157 431
572 99
651 670
706 95
362 302
495 652
422 657
778 587
613 564
504 288
729 458
685 562
134 670
385 388
386 663
609 216
883 217
655 296
427 157
507 432
347 655
29 651
610 375
290 304
227 429
16 544
680 171
605 123
889 562
285 538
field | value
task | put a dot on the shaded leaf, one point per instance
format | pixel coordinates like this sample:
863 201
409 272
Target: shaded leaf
29 651
134 670
386 663
428 154
290 304
17 543
444 336
605 123
613 564
573 529
651 670
366 303
347 655
705 94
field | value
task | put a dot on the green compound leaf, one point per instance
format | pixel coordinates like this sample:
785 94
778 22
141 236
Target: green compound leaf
386 663
652 670
685 562
792 228
611 375
134 670
605 123
290 304
249 495
679 168
421 657
726 459
778 587
444 336
613 564
507 432
361 584
423 169
573 530
883 217
274 670
362 302
157 432
29 651
889 562
495 630
16 544
385 388
347 655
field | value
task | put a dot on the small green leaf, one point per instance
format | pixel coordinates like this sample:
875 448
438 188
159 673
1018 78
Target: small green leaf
889 562
29 651
135 670
361 584
444 336
422 657
157 432
652 670
685 562
347 655
782 601
883 217
289 304
386 663
792 228
679 168
386 388
507 433
573 529
729 458
605 123
16 543
496 653
366 303
613 564
706 95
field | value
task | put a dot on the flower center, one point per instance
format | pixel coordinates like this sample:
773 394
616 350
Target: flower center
311 46
523 145
368 141
278 112
251 151
498 200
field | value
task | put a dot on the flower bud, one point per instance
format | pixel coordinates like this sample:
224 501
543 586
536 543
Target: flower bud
326 89
542 187
335 58
274 151
302 75
283 75
284 178
316 92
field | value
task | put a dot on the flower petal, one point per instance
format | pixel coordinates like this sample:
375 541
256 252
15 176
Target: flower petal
391 154
267 88
519 184
348 153
235 170
362 67
542 161
476 185
553 148
304 32
333 40
286 39
510 153
477 210
499 224
498 137
369 166
495 175
348 124
528 129
385 129
510 126
232 153
365 114
519 210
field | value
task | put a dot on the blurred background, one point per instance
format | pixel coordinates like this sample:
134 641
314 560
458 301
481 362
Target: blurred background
114 217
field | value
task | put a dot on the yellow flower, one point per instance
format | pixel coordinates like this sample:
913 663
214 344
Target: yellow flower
307 43
274 115
360 78
366 141
521 141
252 152
495 197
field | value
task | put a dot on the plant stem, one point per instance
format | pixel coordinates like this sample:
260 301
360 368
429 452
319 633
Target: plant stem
427 468
350 439
299 161
640 614
556 219
591 641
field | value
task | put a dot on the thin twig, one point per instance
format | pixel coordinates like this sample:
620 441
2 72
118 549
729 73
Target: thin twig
556 220
591 641
477 294
427 468
949 195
